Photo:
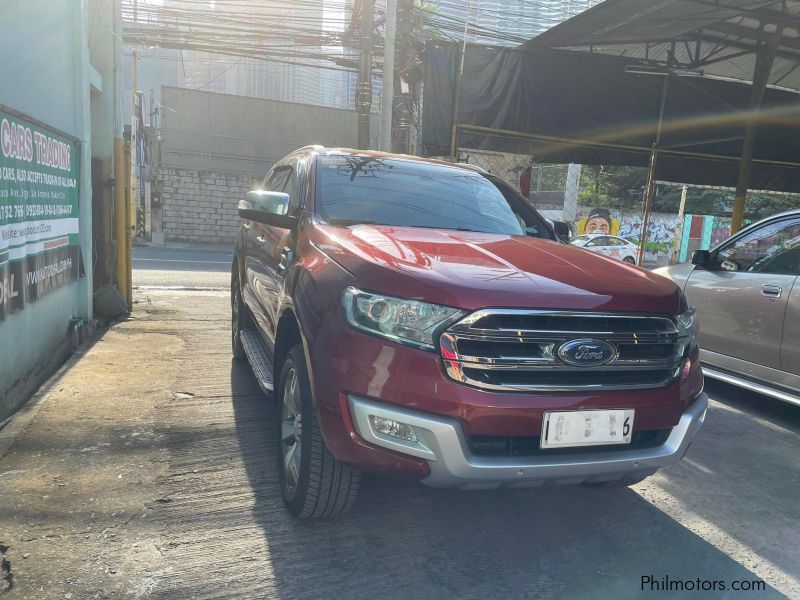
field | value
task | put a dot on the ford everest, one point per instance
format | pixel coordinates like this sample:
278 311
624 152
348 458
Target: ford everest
419 319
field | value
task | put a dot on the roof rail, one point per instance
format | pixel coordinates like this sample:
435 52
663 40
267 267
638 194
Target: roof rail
315 147
475 168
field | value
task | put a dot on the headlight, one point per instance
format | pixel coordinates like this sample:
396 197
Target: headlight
689 329
406 321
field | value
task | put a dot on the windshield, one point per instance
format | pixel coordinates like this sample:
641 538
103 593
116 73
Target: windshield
406 193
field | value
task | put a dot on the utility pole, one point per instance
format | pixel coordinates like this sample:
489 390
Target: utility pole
130 212
387 94
401 127
364 93
121 182
457 91
650 188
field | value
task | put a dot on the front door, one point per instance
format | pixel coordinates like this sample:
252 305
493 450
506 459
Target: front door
275 245
258 268
741 300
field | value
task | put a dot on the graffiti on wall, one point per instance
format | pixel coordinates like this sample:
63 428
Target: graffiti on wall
660 237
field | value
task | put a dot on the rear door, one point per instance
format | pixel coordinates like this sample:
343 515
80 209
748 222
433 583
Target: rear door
742 299
790 349
620 249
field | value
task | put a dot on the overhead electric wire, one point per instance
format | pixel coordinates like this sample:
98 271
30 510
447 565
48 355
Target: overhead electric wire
323 33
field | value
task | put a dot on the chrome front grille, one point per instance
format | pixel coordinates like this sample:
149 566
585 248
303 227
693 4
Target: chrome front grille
518 350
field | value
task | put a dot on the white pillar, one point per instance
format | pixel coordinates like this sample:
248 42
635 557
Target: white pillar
571 193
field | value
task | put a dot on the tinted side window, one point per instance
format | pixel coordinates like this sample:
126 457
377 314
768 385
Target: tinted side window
278 181
772 248
296 187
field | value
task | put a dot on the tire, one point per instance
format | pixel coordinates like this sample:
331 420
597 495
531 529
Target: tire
240 319
618 483
315 484
630 260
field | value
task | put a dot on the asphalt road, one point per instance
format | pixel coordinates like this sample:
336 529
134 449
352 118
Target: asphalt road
728 512
150 471
182 267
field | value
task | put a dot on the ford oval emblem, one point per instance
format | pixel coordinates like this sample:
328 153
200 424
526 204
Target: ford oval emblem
587 353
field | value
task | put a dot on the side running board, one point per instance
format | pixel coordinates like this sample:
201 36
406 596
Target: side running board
260 356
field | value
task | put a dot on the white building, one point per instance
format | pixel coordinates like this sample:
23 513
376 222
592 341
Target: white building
60 117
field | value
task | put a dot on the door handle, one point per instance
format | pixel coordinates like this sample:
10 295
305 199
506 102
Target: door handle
261 239
771 291
286 259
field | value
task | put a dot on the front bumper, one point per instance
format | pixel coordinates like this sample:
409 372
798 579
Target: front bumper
441 442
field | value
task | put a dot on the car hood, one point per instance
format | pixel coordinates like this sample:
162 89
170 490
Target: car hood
477 270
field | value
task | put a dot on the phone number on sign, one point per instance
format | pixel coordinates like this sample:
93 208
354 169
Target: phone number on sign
24 211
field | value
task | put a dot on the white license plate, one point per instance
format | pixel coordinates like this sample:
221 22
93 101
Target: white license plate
586 428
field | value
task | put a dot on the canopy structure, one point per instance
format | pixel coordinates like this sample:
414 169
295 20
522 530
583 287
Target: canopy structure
707 38
701 91
752 41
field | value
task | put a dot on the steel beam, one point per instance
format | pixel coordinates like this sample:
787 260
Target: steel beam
761 72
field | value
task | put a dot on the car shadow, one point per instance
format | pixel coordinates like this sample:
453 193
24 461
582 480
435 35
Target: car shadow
404 540
745 462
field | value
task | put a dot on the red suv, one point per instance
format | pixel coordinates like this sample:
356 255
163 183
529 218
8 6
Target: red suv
420 319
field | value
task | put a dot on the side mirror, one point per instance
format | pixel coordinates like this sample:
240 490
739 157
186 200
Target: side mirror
270 208
562 230
702 258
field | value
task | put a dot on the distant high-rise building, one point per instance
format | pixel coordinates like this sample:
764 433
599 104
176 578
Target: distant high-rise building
506 22
313 80
291 79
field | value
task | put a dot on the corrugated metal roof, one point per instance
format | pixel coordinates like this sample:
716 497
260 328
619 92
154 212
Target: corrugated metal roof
715 38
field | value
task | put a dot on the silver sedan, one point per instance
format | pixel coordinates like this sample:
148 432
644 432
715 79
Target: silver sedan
608 245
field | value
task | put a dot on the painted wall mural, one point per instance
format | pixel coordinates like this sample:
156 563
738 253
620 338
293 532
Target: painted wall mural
628 225
698 232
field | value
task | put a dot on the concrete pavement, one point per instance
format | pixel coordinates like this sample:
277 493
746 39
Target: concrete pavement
146 469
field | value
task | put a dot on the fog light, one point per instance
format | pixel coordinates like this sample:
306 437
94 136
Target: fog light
393 428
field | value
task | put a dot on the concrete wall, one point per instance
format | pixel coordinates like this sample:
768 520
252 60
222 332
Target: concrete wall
221 132
44 74
200 206
214 147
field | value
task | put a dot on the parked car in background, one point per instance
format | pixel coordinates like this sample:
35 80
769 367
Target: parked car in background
607 245
747 296
420 319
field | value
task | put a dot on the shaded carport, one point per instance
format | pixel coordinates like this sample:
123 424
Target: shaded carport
701 91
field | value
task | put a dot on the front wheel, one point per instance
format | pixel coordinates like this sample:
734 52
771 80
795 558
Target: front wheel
313 483
630 260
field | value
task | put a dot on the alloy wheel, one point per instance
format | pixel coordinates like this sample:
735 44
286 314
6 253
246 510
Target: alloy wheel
291 431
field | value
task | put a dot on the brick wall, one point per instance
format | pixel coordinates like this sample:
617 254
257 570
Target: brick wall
201 206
